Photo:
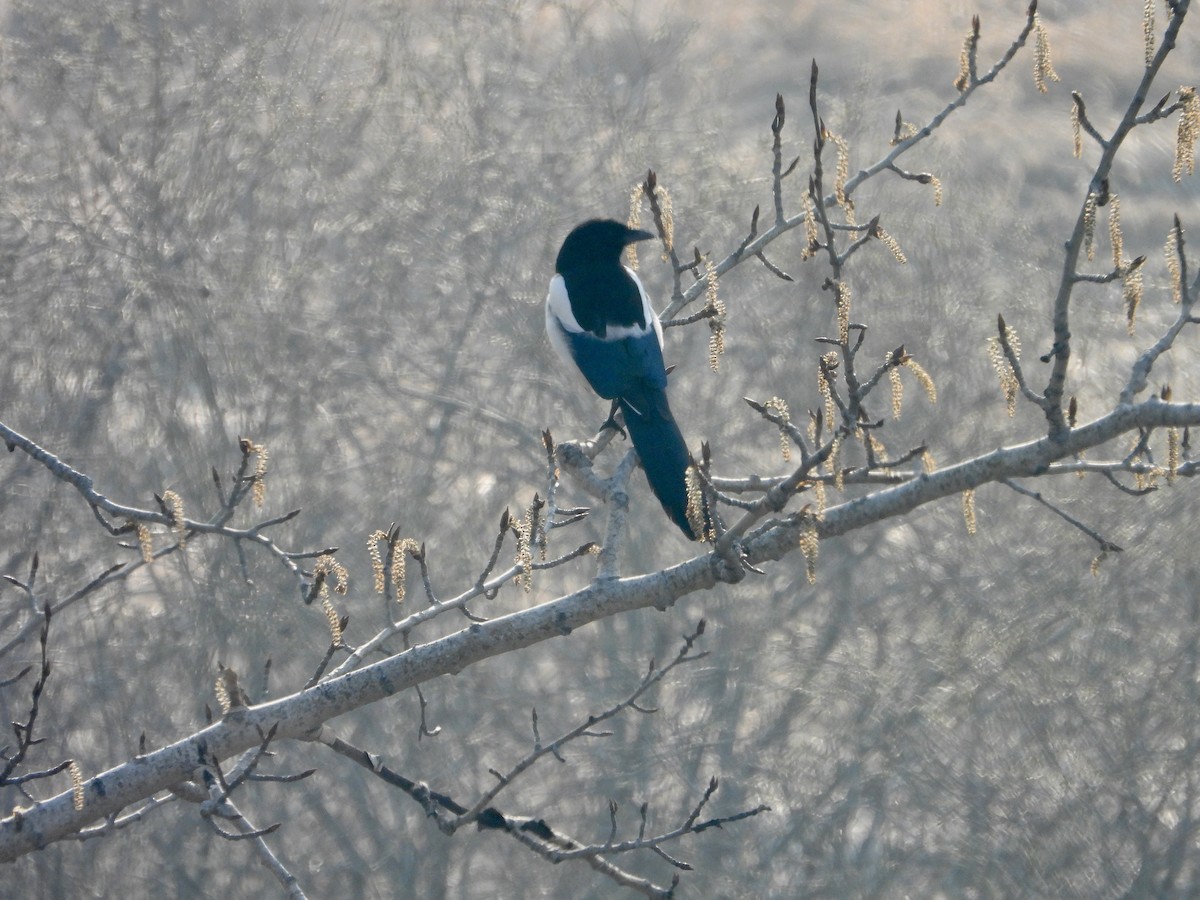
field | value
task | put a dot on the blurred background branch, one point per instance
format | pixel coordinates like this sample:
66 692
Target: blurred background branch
329 227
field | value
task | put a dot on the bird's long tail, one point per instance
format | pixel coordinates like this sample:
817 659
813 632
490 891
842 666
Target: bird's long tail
663 453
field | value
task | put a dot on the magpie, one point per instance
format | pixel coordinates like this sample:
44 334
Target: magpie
601 323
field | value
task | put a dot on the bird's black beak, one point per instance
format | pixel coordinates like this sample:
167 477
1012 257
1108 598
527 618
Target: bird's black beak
635 235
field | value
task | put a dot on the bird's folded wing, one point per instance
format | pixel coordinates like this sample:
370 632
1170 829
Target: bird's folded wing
626 367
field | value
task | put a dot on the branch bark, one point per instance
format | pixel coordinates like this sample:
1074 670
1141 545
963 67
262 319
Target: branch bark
301 716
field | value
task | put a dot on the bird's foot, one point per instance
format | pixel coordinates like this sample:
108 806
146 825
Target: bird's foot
611 422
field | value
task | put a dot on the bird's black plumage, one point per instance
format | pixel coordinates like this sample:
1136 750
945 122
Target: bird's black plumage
600 321
601 290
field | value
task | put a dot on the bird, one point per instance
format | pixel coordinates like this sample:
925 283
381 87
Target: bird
601 324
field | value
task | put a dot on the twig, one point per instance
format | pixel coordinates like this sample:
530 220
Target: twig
1060 352
24 730
1106 545
584 729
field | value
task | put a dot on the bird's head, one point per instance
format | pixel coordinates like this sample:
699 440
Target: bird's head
597 242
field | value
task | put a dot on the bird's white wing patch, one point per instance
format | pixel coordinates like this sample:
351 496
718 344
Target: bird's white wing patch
558 305
559 320
647 311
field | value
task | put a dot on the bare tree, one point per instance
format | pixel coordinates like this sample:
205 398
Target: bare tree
847 465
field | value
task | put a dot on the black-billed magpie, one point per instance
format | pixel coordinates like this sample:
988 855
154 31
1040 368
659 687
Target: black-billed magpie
600 322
